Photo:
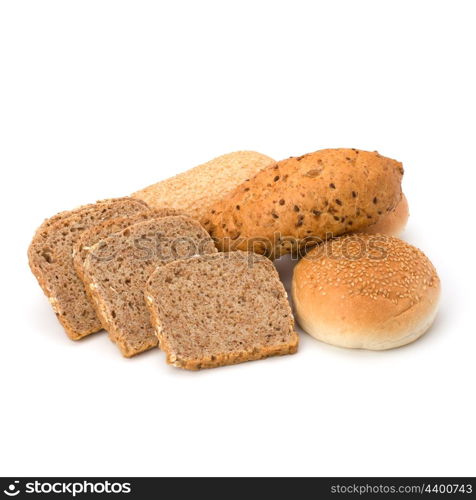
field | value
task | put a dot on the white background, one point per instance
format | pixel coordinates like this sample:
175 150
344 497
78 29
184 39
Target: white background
98 99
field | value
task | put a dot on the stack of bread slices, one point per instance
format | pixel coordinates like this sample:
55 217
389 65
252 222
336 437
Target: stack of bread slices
186 264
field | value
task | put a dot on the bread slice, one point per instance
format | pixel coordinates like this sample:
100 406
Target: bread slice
219 310
195 190
117 268
50 257
94 234
42 229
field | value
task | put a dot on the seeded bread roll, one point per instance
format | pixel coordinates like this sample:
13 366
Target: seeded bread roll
299 200
195 190
50 257
393 223
220 309
365 291
116 270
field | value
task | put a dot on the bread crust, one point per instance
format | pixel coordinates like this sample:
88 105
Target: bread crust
393 223
195 190
216 360
296 201
109 325
359 300
41 231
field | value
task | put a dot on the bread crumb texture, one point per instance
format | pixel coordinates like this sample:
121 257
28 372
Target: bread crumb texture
197 189
116 270
94 234
50 256
219 310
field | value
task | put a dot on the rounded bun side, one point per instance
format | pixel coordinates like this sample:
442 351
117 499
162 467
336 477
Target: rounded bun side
392 223
365 291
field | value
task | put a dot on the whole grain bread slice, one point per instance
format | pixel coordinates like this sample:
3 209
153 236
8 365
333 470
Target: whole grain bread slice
197 189
94 234
50 256
219 310
117 268
42 229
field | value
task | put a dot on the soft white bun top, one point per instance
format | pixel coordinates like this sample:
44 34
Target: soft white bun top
365 291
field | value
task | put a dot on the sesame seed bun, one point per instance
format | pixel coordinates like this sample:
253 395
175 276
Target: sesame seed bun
365 291
393 223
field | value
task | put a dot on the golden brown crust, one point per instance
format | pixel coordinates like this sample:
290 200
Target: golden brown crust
365 291
332 191
393 223
235 358
195 190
